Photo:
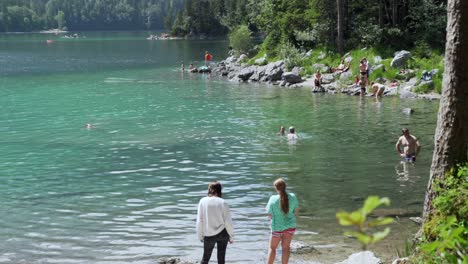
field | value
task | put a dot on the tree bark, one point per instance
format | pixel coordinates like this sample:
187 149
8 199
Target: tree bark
340 25
451 135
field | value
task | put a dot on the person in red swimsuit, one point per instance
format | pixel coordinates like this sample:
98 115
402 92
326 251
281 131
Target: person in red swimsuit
207 58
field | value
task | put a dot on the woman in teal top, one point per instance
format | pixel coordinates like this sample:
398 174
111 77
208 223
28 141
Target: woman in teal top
282 210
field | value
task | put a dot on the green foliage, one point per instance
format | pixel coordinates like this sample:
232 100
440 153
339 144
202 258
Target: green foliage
290 55
359 219
422 50
27 15
445 234
240 39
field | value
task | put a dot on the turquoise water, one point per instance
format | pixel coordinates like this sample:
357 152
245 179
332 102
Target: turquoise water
126 190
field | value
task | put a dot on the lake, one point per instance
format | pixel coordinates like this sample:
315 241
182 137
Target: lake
126 190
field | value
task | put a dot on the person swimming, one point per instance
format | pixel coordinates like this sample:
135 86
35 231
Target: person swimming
292 134
282 131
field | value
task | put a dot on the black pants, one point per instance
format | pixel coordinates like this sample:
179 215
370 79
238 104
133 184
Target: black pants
222 240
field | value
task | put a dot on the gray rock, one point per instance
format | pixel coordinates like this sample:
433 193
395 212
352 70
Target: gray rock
319 89
364 257
245 73
322 67
346 75
260 61
273 71
327 78
291 77
297 70
378 66
258 73
348 58
283 83
231 59
331 86
242 58
377 60
407 86
400 59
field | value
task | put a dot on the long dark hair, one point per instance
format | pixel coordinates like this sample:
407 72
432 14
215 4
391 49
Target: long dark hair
280 186
214 189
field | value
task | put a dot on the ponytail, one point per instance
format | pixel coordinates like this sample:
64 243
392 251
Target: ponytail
280 186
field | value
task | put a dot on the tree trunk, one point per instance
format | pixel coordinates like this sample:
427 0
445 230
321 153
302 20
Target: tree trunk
340 25
451 135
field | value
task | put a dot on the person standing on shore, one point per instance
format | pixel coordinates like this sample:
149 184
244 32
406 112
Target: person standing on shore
214 223
282 209
207 58
411 146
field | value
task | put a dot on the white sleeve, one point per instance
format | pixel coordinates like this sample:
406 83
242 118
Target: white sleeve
228 220
200 225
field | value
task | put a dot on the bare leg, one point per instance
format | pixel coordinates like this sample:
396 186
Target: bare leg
286 247
274 241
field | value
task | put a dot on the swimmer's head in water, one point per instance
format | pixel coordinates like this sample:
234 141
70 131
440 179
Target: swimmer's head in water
405 131
291 130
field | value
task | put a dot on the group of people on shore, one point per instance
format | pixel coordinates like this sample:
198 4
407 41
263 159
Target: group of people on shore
361 80
214 222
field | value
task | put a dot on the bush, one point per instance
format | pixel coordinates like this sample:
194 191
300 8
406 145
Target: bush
445 234
290 55
240 39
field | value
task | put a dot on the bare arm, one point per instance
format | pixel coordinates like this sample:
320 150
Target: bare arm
418 147
397 147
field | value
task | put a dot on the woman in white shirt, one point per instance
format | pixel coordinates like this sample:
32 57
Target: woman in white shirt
214 223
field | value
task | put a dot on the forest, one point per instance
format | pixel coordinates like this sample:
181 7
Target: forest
342 24
35 15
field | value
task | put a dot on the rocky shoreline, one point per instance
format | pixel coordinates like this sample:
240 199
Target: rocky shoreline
405 85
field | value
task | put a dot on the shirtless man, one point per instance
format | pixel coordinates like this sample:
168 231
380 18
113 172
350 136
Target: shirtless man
410 145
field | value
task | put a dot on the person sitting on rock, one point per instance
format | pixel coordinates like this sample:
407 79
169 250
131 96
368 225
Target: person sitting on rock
318 79
340 67
357 81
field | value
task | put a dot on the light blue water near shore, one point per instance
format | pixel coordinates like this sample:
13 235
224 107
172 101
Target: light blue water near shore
126 190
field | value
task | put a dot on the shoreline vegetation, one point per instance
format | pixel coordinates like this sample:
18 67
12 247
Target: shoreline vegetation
405 74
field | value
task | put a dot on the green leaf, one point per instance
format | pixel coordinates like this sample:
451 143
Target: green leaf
373 202
363 238
376 237
381 221
347 219
430 247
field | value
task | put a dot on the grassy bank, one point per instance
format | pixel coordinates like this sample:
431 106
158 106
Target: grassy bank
423 59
